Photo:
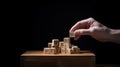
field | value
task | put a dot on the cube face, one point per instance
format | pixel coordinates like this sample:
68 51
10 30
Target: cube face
47 50
55 43
71 34
75 49
63 50
50 51
69 51
61 44
67 40
49 45
58 50
53 51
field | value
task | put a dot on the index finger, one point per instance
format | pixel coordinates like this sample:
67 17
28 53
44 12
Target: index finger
80 25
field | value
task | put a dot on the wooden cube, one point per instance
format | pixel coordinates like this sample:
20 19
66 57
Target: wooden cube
69 51
55 43
50 51
75 49
63 50
53 51
61 44
46 50
49 45
58 50
71 34
67 42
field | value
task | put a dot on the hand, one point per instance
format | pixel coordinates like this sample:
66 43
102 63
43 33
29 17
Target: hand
95 29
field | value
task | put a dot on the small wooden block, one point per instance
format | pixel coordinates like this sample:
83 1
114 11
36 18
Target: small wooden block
55 43
53 51
69 51
61 44
50 51
59 50
75 49
63 50
46 50
49 45
71 34
67 40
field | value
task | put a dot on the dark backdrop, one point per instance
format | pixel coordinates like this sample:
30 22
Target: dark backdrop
54 19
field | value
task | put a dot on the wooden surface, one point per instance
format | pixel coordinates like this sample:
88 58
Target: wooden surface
38 59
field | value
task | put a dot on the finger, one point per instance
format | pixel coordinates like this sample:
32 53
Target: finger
80 32
80 25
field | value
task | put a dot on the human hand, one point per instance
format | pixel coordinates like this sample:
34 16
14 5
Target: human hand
95 29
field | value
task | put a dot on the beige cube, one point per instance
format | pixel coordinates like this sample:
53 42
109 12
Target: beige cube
63 50
75 49
71 34
55 43
53 51
46 50
49 45
58 50
67 42
50 51
61 44
69 51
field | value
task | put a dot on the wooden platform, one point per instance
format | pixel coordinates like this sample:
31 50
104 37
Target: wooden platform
38 59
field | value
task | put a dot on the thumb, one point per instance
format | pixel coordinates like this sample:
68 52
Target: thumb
80 32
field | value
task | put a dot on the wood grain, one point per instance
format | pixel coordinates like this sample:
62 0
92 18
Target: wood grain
38 59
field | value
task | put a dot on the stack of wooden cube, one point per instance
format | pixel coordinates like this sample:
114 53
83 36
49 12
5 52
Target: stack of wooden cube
62 47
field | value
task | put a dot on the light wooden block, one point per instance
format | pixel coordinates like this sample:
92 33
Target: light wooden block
50 51
61 44
69 51
58 50
53 51
55 43
63 50
75 49
49 44
71 34
67 42
46 50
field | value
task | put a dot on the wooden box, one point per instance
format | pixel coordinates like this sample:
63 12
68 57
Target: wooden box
38 59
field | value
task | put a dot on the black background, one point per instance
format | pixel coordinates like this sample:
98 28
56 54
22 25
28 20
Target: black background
49 20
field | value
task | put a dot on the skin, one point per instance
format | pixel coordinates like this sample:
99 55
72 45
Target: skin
95 29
